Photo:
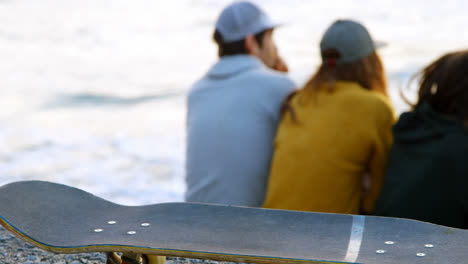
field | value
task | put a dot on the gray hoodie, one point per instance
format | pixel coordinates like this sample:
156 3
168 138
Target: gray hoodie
233 113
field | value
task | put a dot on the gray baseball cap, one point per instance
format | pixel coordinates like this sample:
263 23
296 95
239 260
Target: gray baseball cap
240 19
350 39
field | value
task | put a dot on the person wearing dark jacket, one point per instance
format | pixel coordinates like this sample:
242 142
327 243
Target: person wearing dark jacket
427 173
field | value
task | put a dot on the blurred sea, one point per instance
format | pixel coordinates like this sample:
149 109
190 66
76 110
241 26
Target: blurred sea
93 91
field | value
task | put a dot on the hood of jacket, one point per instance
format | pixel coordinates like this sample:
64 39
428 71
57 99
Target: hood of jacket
423 124
229 66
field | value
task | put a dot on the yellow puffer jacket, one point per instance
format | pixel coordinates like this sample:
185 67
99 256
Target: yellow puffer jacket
321 158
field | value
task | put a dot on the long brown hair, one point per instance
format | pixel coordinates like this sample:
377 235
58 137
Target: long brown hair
444 85
368 72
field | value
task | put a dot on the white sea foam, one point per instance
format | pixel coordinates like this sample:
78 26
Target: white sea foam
93 91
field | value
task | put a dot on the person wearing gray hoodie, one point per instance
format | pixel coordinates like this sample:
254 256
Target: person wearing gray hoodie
234 110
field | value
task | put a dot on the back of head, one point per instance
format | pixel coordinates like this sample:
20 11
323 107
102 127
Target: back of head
349 54
350 39
444 85
236 22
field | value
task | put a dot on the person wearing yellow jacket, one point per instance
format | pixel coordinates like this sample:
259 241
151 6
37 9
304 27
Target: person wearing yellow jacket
331 147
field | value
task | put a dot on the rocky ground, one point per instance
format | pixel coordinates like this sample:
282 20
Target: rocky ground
14 251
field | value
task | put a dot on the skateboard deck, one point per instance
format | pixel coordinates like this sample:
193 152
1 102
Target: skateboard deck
63 219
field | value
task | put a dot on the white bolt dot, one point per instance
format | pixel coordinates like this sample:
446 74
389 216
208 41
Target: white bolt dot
421 254
98 230
380 251
429 246
131 232
112 222
145 224
389 243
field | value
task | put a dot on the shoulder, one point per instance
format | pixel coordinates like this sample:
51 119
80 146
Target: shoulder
270 87
365 101
383 112
370 107
199 86
272 78
457 141
380 102
378 106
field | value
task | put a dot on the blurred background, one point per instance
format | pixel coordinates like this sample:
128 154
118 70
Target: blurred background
93 91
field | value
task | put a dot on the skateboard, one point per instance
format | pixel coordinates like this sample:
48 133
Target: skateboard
65 220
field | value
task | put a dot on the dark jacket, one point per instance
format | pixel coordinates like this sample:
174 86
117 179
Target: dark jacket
427 174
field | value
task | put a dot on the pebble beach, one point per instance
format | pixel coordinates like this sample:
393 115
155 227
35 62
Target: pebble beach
15 251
